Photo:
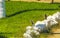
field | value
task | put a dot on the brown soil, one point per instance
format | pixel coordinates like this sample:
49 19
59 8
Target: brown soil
46 1
57 35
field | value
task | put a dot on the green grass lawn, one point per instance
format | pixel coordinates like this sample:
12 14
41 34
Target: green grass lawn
19 15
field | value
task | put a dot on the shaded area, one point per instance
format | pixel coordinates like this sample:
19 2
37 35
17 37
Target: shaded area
55 33
56 3
6 33
2 36
49 33
30 10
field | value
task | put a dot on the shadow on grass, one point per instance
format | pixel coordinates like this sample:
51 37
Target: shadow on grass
30 10
2 36
5 34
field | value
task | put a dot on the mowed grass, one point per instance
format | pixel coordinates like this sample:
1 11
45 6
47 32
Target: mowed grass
19 15
19 6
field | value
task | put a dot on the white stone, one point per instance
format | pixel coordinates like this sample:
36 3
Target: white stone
25 35
28 27
40 24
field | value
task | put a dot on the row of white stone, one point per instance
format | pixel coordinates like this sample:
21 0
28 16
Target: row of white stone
42 25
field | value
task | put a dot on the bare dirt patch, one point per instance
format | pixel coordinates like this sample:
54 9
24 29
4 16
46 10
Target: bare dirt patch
46 1
57 35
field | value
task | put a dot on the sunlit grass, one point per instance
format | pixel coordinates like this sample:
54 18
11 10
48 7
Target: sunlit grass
16 24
